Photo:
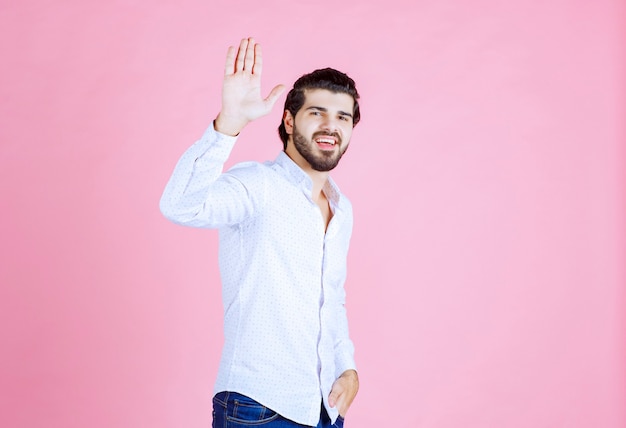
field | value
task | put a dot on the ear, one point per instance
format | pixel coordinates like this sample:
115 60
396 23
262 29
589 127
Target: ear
288 121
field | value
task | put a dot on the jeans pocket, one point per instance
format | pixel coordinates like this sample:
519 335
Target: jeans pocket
242 410
339 422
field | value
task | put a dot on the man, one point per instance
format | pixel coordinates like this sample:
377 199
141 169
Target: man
284 232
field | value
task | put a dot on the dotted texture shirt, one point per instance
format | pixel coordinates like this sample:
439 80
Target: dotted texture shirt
285 325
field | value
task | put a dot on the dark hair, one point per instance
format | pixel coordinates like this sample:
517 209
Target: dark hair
326 78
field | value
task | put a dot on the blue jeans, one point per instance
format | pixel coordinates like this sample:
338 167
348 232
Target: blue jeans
233 410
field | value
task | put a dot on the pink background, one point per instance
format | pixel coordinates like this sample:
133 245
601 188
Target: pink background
486 275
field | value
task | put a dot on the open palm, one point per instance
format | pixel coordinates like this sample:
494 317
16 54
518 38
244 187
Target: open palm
242 101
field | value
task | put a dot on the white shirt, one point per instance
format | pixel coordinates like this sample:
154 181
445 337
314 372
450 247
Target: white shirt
286 331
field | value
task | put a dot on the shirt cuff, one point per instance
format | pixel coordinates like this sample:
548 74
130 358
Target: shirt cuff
344 361
220 146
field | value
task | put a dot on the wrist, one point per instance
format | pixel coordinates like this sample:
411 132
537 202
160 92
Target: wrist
228 125
351 373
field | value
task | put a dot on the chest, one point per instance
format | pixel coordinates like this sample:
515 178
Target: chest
325 211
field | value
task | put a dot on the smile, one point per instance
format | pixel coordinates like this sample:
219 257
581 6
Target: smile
325 140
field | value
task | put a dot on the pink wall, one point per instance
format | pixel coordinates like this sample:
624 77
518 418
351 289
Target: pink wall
486 284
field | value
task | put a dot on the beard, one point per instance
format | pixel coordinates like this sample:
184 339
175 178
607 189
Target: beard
319 160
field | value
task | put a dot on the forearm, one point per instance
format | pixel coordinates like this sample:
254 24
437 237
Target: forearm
344 348
188 188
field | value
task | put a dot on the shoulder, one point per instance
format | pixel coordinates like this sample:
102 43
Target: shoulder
248 170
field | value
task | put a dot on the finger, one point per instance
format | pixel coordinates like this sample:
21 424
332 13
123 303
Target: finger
229 68
332 400
249 59
258 60
336 401
241 55
274 95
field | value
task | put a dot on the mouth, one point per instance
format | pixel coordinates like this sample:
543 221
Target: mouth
326 142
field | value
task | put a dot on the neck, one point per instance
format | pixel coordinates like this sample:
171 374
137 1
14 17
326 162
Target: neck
319 178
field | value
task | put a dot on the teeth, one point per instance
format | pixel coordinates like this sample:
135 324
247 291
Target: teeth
326 140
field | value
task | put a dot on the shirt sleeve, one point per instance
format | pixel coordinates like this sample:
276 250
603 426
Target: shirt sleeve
199 194
344 348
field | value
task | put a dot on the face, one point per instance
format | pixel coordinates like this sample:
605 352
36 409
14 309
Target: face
320 132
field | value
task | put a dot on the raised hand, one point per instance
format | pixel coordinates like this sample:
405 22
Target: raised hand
242 101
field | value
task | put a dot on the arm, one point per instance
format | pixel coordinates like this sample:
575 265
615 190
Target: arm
346 385
198 194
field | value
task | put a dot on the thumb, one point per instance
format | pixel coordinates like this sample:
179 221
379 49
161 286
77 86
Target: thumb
335 393
274 94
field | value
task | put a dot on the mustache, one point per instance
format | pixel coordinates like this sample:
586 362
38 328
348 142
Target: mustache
334 134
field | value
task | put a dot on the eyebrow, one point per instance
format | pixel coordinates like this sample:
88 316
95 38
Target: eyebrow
324 109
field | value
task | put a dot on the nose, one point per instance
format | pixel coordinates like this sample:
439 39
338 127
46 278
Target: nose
330 125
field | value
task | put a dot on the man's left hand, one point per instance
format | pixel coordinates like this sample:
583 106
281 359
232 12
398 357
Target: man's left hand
343 391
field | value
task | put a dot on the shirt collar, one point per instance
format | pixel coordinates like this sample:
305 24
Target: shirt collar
298 176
